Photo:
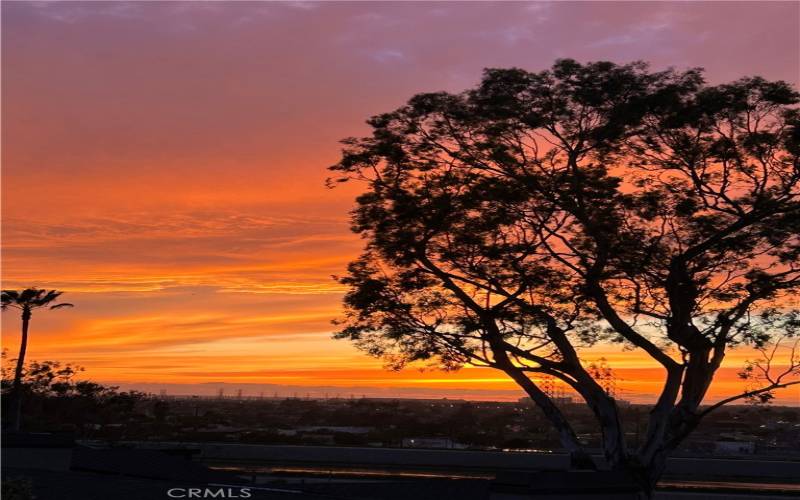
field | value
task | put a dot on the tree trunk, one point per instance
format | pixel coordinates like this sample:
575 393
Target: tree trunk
16 388
648 467
645 475
614 447
605 411
658 421
579 458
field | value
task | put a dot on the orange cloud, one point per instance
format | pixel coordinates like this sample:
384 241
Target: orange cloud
164 164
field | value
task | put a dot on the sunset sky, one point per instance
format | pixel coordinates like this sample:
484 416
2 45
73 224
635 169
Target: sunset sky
164 164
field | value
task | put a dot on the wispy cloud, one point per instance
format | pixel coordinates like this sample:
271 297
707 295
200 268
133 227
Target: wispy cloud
151 252
74 12
387 55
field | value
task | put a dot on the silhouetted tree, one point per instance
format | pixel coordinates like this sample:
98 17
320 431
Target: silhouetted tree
513 224
26 301
56 399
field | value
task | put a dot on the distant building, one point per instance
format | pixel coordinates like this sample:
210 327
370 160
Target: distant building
559 400
319 438
423 442
734 447
336 428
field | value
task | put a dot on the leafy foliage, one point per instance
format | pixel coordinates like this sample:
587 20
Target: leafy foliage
56 399
31 298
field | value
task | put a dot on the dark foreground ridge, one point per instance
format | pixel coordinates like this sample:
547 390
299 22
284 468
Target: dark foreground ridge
55 468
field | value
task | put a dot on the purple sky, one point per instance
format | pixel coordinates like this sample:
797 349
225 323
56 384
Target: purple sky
163 162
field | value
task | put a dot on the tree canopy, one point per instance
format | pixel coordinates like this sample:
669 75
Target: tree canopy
513 224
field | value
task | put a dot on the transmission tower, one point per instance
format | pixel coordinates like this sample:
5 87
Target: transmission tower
548 386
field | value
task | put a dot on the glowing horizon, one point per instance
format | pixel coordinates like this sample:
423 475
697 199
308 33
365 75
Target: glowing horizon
164 165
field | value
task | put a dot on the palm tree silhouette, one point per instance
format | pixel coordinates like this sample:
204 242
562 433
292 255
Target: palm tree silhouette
26 301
